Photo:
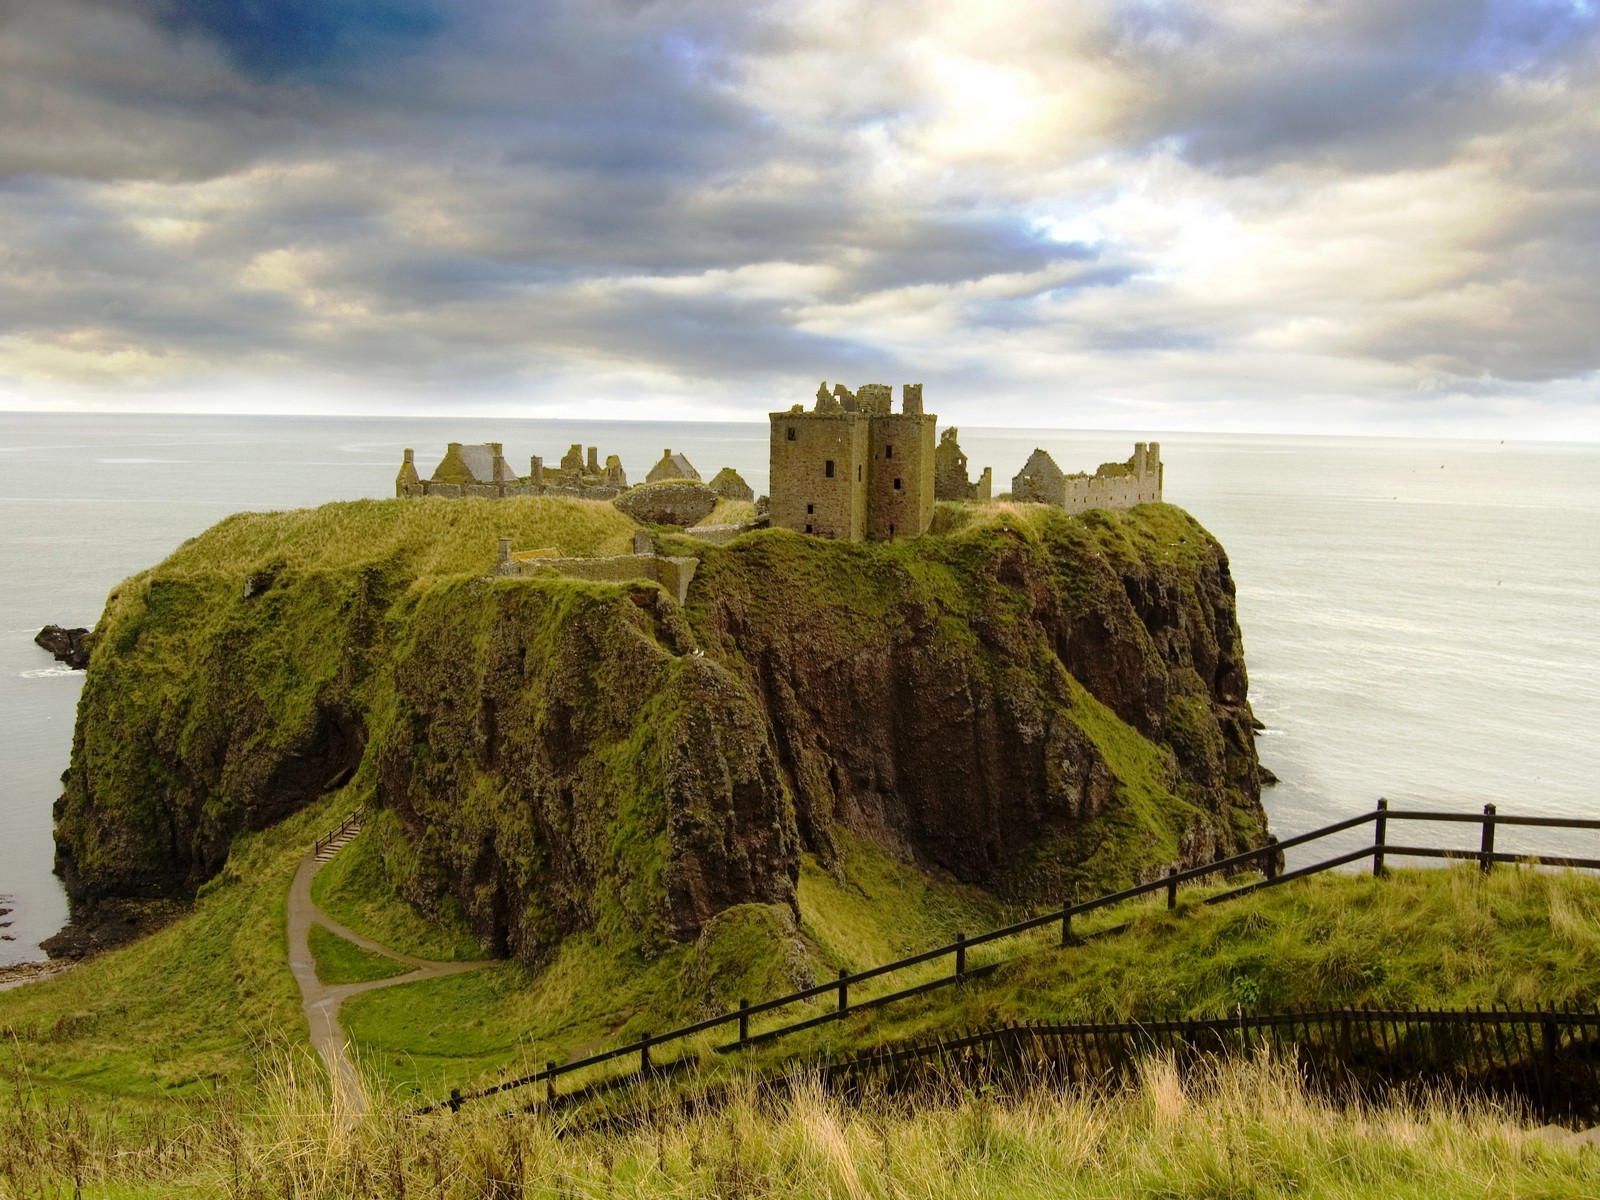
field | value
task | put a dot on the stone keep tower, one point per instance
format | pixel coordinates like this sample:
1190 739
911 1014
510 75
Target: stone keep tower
851 468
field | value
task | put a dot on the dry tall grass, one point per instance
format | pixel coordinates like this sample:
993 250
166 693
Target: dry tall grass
1243 1130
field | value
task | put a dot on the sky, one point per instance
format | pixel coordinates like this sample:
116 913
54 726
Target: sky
1326 216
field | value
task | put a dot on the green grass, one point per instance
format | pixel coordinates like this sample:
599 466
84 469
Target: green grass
1247 1130
872 909
469 1029
339 961
1424 938
181 1012
430 537
731 512
355 889
475 1027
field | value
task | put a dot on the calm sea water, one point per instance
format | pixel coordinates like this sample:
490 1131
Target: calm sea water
1419 617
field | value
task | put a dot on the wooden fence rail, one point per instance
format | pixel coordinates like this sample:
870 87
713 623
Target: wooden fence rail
1544 1062
327 839
1265 859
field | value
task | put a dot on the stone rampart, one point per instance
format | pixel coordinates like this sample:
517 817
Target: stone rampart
716 534
671 572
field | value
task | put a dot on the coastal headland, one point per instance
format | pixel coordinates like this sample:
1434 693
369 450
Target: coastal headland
809 756
1029 703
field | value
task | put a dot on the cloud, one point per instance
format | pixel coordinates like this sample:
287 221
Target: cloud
1053 212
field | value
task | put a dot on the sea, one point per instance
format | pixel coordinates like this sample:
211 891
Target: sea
1419 617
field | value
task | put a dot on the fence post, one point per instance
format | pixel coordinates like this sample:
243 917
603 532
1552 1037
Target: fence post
644 1054
1552 1038
744 1022
1485 859
455 1100
1270 866
550 1083
1066 923
1380 829
961 954
1172 887
844 990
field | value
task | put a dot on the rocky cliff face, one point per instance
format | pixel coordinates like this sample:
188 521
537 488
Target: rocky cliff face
1034 703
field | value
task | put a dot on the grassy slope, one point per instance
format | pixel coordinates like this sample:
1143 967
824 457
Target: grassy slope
470 1028
1424 938
354 890
185 1009
339 961
1249 1131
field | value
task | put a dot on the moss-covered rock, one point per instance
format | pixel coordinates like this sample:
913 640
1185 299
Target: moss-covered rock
1029 702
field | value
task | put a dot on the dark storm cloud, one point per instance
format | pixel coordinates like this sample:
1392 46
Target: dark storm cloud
315 39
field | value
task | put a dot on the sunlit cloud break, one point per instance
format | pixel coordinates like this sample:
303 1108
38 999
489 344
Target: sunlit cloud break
1347 217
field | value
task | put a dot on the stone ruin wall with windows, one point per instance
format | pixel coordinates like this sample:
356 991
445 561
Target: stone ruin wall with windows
1139 480
851 468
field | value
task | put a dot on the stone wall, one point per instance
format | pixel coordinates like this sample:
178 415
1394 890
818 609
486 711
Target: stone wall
900 475
1114 485
805 496
672 573
579 477
950 480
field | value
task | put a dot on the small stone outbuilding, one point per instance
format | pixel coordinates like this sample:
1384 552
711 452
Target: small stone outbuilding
672 466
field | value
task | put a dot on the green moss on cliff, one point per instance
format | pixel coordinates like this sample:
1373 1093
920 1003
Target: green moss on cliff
585 776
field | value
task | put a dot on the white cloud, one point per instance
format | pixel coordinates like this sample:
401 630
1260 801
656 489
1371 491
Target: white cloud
1291 215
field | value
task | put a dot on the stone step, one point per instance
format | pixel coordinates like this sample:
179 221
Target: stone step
340 840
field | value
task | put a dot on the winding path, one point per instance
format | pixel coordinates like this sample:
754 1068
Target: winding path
321 1001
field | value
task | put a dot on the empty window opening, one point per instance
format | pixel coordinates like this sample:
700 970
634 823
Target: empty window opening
858 472
827 468
810 508
897 485
808 529
888 451
790 433
891 531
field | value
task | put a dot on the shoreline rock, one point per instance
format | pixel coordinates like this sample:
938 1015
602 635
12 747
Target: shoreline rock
107 925
70 646
17 974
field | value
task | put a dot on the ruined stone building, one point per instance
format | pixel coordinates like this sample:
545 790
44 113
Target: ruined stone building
482 470
950 480
730 485
851 468
1113 485
672 466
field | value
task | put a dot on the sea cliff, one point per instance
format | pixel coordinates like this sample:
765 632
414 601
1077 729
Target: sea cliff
1033 703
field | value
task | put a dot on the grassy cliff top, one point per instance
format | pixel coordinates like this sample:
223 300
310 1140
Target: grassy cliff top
427 536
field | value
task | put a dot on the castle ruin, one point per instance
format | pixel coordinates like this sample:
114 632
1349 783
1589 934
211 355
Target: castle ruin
1113 485
482 470
950 480
851 468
